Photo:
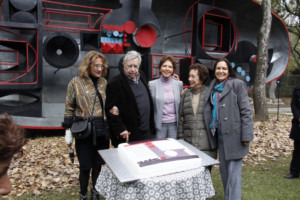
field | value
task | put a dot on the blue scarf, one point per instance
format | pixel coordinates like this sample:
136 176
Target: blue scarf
215 99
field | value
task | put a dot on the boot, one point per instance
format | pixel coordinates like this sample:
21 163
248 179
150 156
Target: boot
83 197
95 195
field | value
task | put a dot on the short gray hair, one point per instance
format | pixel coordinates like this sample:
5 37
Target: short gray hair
130 55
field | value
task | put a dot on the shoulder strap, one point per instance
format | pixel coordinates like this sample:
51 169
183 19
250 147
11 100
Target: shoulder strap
99 96
94 104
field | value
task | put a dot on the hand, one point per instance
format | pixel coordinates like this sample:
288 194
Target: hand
125 135
114 110
68 137
175 76
183 91
245 143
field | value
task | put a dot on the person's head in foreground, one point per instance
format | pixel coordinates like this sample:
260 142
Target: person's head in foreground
11 141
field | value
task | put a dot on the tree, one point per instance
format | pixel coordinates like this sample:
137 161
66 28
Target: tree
259 88
289 11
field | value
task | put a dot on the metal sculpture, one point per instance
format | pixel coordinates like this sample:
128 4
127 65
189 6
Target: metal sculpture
192 31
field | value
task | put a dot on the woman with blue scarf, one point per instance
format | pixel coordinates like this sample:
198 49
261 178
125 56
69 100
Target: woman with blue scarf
229 122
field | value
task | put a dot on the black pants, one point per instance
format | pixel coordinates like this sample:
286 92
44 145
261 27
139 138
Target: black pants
84 176
295 163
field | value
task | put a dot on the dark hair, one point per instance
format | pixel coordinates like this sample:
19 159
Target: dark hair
164 59
11 137
230 69
202 71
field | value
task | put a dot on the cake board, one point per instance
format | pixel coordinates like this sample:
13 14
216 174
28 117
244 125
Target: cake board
124 174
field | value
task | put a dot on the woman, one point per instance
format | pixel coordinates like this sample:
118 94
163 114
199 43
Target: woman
165 93
192 127
84 101
229 122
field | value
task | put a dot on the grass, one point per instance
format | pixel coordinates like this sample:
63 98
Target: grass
263 182
260 182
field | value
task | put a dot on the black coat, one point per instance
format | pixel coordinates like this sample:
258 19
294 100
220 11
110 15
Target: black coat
119 94
295 106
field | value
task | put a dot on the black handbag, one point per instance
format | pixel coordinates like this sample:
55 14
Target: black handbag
82 129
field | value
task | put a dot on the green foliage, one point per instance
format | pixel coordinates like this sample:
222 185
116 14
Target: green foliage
289 11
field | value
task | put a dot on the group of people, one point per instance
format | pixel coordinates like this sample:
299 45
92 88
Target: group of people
216 116
213 116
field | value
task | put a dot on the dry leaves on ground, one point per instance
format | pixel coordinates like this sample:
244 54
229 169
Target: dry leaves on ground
271 139
46 164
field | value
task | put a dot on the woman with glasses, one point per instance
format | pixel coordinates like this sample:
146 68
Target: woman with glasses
84 99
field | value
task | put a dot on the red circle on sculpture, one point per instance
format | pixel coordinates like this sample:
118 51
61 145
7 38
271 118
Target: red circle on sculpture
121 28
146 36
129 27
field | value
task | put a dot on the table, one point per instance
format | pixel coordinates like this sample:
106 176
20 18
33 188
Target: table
125 174
191 184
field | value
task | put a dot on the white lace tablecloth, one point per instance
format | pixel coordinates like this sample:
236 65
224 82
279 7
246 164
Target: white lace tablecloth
192 184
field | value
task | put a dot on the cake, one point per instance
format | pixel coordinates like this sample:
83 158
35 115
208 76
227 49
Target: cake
158 157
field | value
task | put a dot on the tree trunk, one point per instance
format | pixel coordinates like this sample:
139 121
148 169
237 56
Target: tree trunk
259 88
272 90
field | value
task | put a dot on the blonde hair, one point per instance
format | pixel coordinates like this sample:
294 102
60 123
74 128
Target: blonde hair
86 62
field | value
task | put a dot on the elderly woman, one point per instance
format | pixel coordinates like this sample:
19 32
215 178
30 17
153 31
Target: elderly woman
229 122
165 93
85 98
192 127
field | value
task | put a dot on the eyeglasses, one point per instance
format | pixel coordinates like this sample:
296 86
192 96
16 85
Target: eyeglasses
98 66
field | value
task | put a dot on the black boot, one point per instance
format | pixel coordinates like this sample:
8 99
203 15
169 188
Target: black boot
95 195
83 197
